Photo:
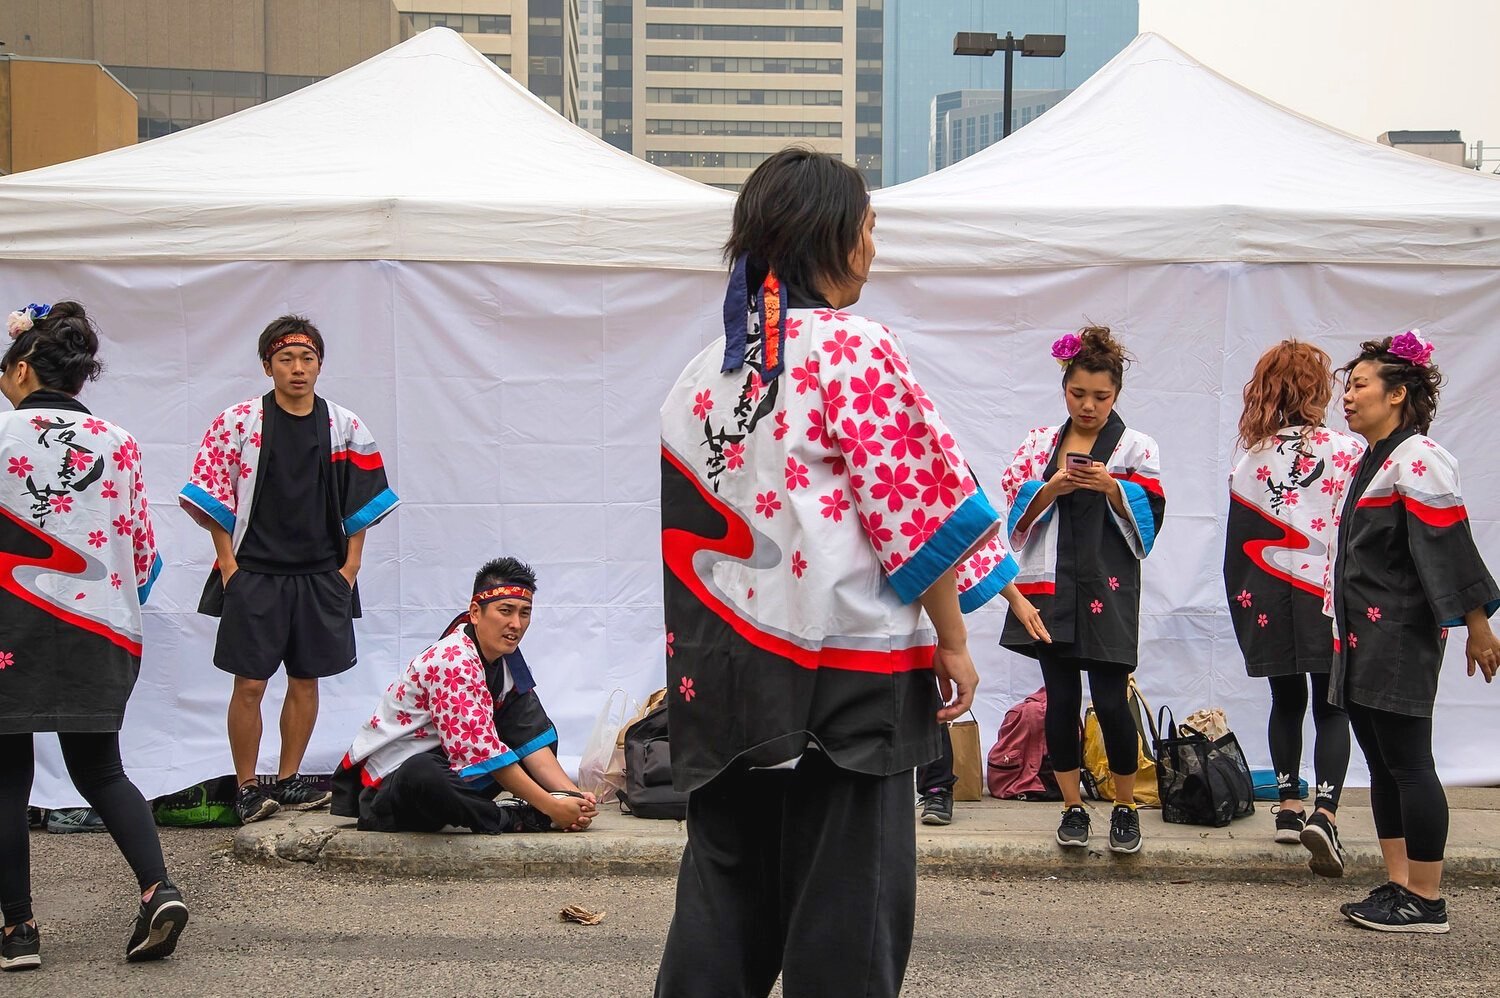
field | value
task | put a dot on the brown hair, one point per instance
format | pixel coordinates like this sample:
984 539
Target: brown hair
1422 382
1291 386
1100 353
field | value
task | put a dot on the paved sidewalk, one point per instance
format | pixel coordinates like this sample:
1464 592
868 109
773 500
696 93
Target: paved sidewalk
987 837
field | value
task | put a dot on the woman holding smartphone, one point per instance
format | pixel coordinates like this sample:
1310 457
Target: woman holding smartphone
1086 504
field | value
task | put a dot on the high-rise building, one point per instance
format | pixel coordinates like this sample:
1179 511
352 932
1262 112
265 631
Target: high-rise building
191 61
710 88
966 121
536 41
920 64
591 65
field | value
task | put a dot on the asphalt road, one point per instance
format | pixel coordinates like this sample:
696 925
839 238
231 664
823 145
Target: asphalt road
298 931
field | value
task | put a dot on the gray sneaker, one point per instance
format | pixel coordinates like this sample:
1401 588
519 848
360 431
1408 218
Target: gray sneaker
74 819
1124 829
1073 833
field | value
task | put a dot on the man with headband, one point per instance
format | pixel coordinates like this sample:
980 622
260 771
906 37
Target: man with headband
460 723
287 484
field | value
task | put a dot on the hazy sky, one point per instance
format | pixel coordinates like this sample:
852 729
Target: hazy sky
1366 66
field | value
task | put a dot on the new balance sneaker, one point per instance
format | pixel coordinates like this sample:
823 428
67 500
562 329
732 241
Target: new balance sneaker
937 807
1288 825
157 925
1401 911
74 819
297 793
22 949
1124 829
1379 894
1073 832
1321 837
251 804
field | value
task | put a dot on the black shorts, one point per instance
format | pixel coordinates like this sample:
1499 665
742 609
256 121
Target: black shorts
305 621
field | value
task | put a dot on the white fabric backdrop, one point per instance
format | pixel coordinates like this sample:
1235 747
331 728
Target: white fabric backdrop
517 410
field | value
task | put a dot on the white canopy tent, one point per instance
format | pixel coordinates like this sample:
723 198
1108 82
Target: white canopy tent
1203 223
506 301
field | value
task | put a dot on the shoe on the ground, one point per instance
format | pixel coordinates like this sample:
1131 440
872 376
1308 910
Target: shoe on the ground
157 925
1073 832
1124 829
297 793
74 819
519 816
252 804
22 949
1321 837
937 807
1379 894
1401 911
1288 825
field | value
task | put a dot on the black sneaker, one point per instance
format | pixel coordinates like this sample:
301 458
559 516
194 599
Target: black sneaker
251 804
297 793
1380 894
1321 838
519 816
1401 911
937 807
1073 833
74 819
1124 829
22 949
1288 825
157 925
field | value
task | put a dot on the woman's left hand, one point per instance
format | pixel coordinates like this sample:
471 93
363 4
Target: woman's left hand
1095 478
1483 649
1030 618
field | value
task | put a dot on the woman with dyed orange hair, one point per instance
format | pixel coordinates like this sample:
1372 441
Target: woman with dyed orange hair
1284 494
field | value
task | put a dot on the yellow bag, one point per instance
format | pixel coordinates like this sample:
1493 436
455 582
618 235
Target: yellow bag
1096 761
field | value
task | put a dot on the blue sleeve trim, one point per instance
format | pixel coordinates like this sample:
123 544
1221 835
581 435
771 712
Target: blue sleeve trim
1489 611
968 524
480 771
1140 510
978 595
371 513
143 593
1018 508
208 504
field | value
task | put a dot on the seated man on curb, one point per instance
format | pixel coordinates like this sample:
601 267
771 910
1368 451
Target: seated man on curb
461 723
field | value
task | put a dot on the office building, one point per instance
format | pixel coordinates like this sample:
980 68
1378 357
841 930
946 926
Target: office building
54 110
966 121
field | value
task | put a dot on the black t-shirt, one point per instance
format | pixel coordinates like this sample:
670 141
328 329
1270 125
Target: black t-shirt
291 530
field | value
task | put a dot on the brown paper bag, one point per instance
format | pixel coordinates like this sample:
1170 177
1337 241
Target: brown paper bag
968 763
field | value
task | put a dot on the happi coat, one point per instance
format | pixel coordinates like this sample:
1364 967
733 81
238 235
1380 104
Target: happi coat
811 493
77 560
223 486
442 698
1080 561
1406 569
1284 497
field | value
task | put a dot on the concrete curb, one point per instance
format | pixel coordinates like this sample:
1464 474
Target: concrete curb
990 838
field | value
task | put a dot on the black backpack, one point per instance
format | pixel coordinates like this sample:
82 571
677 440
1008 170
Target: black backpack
648 789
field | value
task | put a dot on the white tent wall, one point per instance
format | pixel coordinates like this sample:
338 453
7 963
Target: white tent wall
517 409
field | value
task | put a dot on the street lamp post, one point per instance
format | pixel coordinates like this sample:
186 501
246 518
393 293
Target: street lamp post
987 43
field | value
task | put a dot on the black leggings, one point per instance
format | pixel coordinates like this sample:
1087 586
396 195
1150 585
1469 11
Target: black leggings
1405 795
1330 743
93 761
1108 683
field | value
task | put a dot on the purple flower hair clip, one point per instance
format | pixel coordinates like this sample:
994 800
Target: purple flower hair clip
1412 347
1065 348
22 319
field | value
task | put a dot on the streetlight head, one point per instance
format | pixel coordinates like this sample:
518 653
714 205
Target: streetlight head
976 43
1047 46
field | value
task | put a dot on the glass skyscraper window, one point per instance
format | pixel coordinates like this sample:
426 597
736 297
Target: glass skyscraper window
744 33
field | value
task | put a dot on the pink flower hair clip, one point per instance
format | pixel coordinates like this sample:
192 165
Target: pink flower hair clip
22 319
1412 347
1065 348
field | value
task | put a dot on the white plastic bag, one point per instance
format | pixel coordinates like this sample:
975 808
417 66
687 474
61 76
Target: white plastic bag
598 753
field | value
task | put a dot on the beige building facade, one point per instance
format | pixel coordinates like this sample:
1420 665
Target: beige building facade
54 110
710 88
